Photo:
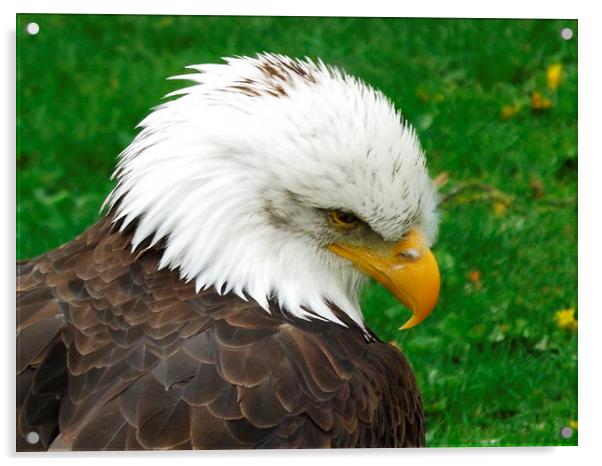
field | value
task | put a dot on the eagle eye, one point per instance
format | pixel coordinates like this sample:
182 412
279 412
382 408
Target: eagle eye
343 219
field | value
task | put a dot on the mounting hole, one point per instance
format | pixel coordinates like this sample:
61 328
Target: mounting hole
566 432
32 438
32 29
566 33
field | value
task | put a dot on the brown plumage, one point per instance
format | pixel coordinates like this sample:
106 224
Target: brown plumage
113 354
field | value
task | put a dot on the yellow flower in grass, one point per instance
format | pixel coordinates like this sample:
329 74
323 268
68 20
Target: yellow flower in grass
540 102
508 111
565 319
499 208
573 424
554 76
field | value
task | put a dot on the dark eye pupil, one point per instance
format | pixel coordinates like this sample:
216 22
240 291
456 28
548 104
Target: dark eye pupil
344 217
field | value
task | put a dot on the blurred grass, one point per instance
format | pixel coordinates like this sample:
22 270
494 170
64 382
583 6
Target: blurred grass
493 366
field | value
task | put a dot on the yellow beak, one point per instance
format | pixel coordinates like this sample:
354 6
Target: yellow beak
407 269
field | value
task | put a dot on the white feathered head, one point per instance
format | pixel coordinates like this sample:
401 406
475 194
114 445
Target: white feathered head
283 181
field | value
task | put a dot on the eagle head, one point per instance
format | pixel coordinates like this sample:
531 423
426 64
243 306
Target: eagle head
283 181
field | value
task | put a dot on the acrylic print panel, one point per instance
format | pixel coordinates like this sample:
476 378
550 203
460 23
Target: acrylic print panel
213 301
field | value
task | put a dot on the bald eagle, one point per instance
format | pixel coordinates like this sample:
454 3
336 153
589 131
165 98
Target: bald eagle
215 304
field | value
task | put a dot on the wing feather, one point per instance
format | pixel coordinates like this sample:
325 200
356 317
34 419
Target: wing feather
115 354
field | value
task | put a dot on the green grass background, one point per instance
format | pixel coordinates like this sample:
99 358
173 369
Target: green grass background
493 366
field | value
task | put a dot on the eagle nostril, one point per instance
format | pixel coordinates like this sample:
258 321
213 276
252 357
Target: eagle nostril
410 253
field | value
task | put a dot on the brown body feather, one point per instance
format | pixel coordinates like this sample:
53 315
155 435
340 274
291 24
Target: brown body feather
113 354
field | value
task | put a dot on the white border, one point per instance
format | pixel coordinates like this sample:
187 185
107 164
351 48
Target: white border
440 8
590 152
